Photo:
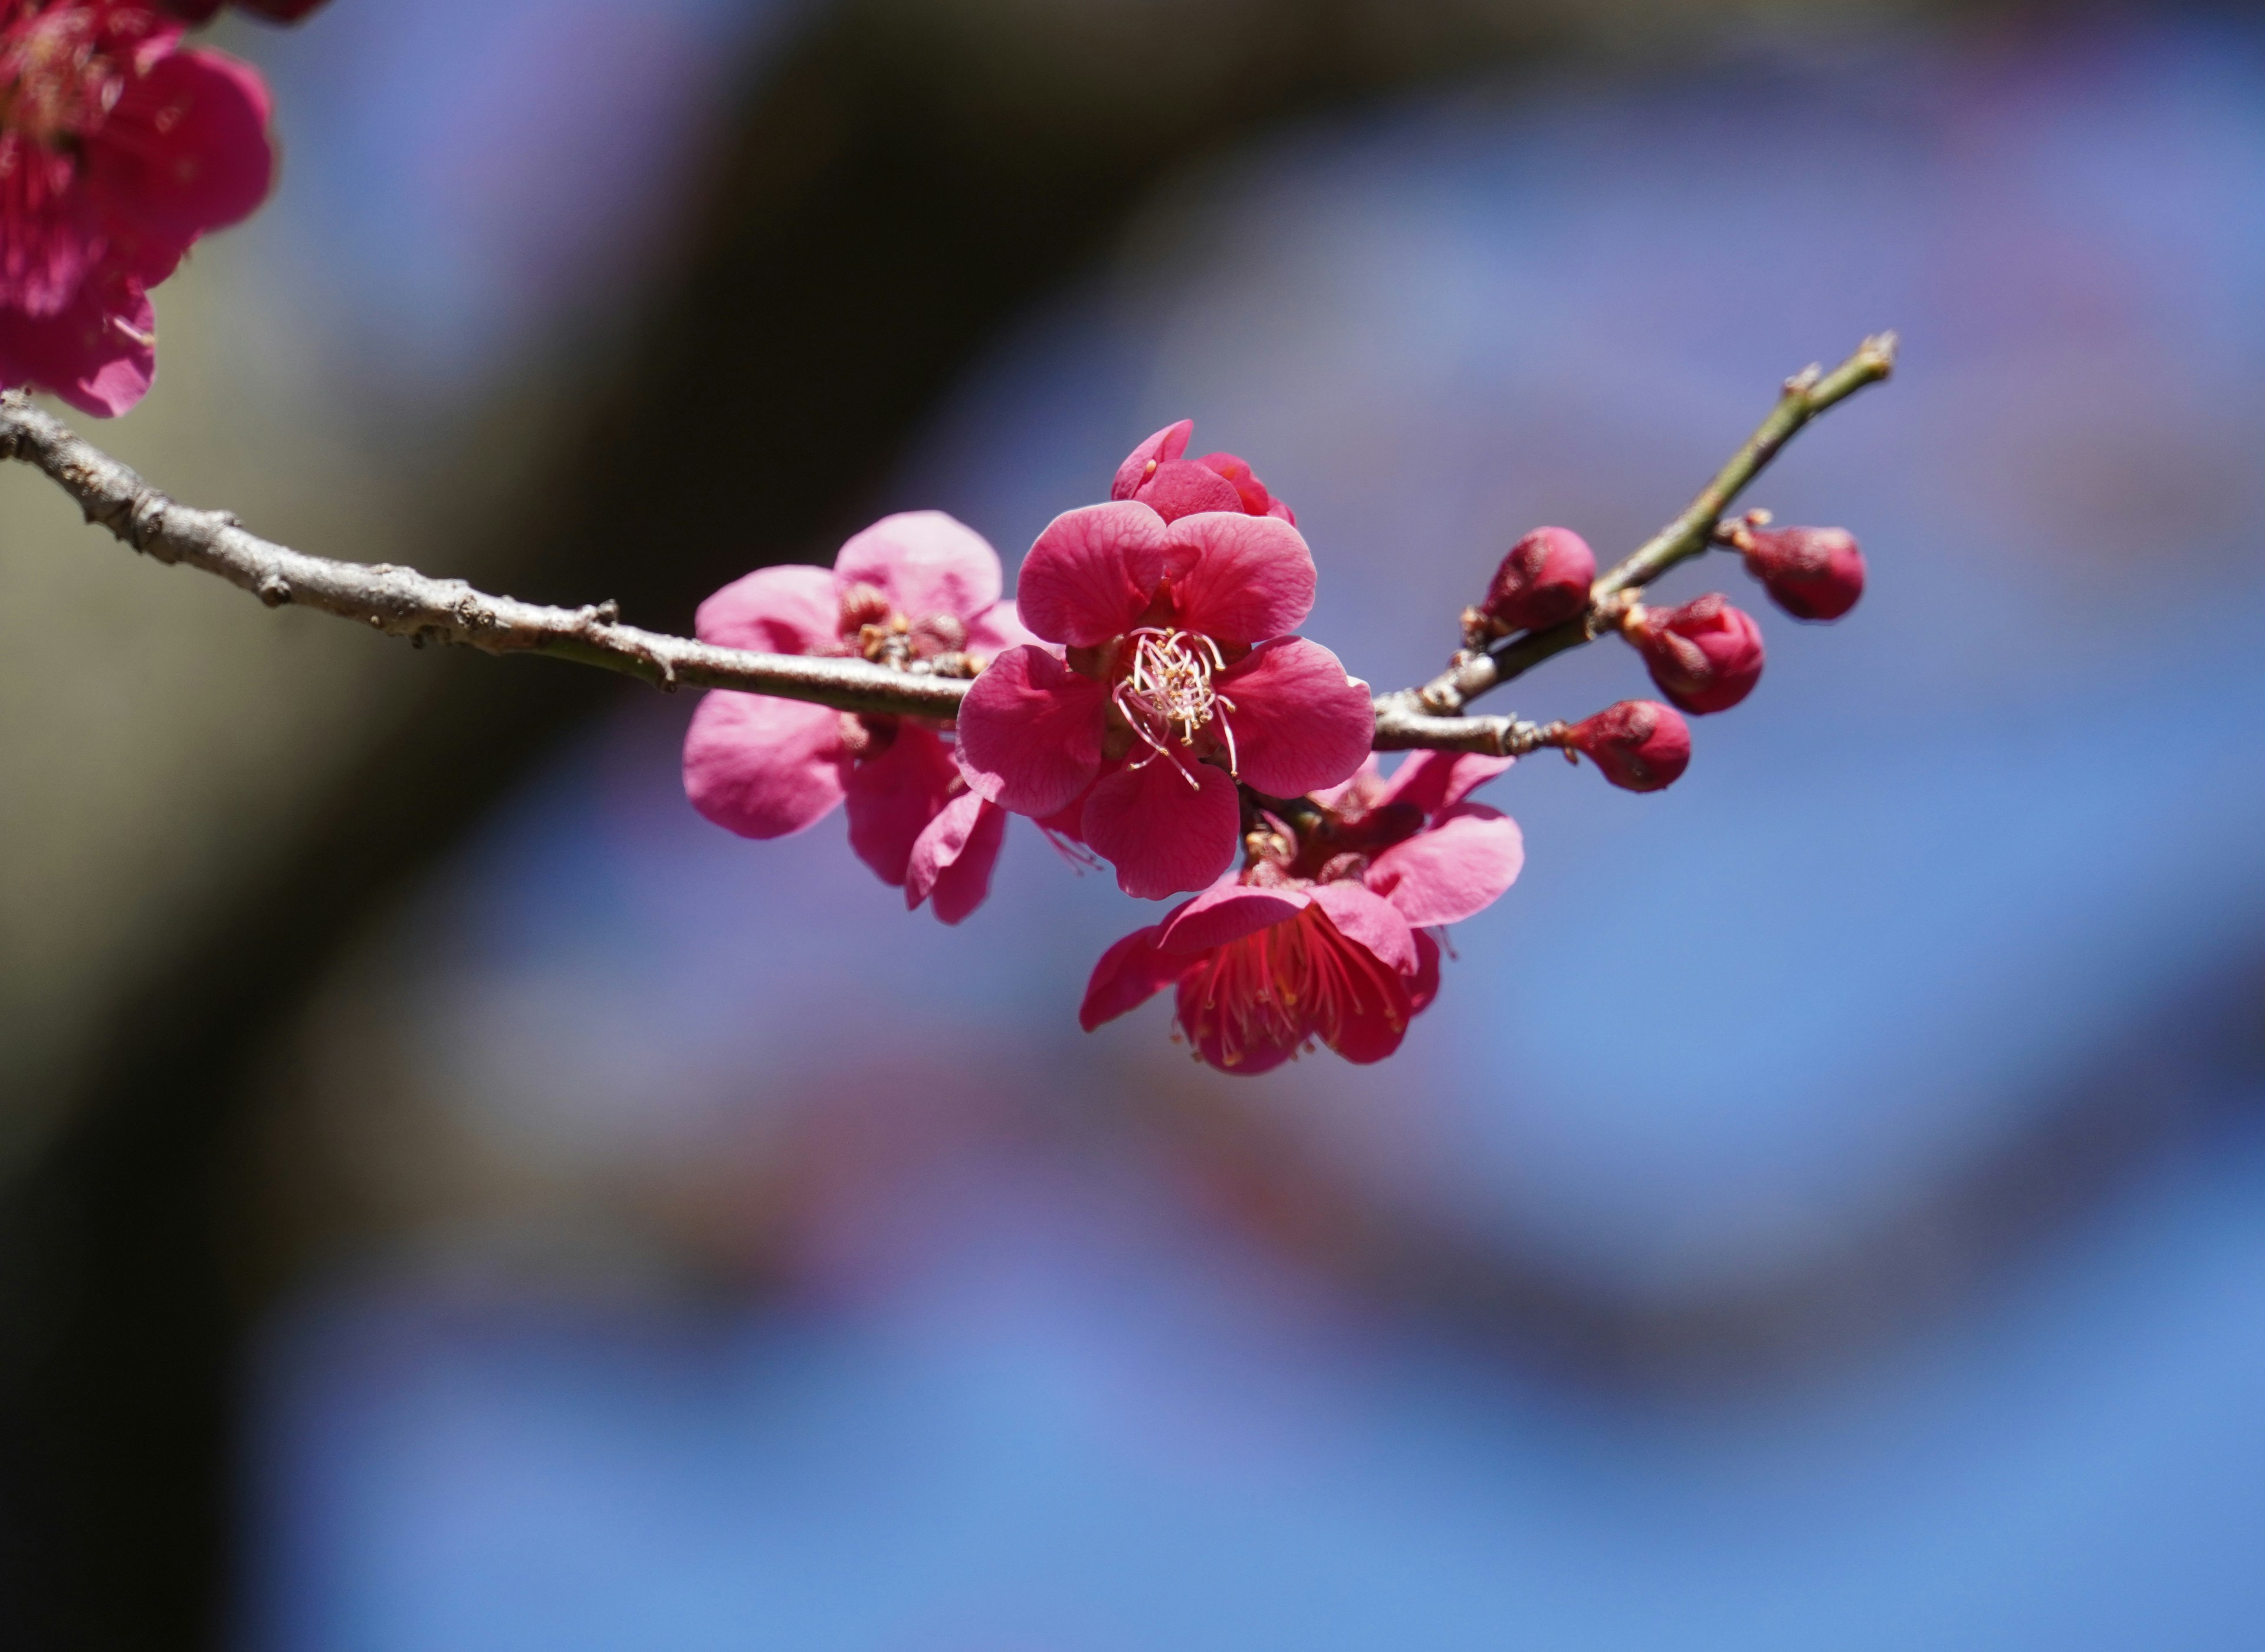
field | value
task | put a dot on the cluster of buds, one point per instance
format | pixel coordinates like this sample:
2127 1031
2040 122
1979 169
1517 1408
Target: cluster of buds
1705 656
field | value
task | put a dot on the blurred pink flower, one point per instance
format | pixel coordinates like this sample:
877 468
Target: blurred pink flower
1158 476
1177 681
917 591
1319 936
117 149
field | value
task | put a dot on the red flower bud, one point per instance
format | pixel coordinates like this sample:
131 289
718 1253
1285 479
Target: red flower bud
1813 573
1640 745
1705 656
1543 581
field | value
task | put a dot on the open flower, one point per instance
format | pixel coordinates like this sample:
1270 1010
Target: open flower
1159 476
1176 680
1319 936
117 149
919 591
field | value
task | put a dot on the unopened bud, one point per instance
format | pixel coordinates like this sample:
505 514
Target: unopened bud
1543 581
1640 745
1705 656
1813 573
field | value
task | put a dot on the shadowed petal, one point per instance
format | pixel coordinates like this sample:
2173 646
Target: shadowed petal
1371 920
85 355
761 766
996 630
1167 444
1163 834
1425 984
1030 731
1092 573
1436 781
1130 973
926 563
953 858
1226 912
1456 870
1245 578
1300 723
893 795
790 609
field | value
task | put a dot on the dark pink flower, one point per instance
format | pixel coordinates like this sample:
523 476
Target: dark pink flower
117 149
1640 745
1320 937
919 591
1813 573
1543 581
1159 476
1705 656
1176 680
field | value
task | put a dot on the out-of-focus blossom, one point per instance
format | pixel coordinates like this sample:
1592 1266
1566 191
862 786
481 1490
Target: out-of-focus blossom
1705 656
1319 936
1813 573
117 149
919 591
274 11
1176 678
1640 745
1543 581
1158 474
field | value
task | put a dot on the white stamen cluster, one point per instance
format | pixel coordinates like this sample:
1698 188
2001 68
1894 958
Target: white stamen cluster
1168 692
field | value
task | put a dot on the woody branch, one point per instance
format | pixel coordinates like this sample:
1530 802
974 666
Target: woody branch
402 603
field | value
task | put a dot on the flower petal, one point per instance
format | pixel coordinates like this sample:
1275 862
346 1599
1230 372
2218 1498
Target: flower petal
185 152
953 858
84 355
762 766
1168 443
1455 868
792 609
1130 973
1436 781
1092 573
1181 487
893 795
996 630
1300 723
926 562
1163 834
1371 920
1030 731
1424 985
1239 579
1227 910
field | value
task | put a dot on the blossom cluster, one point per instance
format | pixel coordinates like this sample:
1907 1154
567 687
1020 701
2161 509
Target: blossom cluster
1145 700
119 149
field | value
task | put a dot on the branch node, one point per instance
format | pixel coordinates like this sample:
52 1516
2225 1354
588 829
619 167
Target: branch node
274 590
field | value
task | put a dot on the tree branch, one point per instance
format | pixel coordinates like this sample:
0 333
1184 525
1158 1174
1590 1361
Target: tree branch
402 602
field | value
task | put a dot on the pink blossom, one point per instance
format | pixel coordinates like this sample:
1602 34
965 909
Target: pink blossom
1543 581
1705 656
117 149
1320 935
1176 681
918 592
1158 475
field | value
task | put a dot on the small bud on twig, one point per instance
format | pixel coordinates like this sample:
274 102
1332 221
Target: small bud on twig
1813 573
1640 745
1705 656
1544 581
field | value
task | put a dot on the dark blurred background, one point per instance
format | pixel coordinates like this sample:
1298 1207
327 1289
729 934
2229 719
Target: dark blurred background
456 1199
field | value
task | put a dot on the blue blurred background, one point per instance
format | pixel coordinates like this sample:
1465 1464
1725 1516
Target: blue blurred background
1826 1205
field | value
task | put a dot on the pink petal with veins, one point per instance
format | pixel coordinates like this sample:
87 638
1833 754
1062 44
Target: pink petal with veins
1457 867
1226 912
1239 579
1030 731
953 858
893 795
1163 834
1371 920
1092 573
761 766
1130 973
790 609
1300 723
1438 781
1181 487
926 563
1167 444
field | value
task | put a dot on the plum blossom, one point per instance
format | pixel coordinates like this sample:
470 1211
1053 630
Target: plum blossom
919 591
117 149
1320 935
1175 680
1158 475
